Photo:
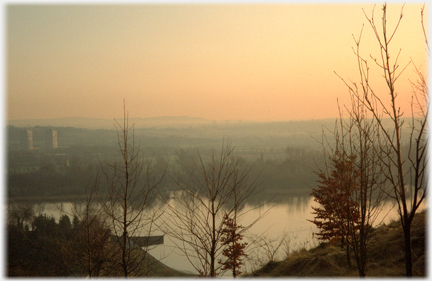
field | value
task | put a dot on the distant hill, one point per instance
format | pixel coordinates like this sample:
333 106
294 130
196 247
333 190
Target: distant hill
100 123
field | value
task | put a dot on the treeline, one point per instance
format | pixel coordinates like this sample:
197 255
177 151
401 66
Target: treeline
285 171
289 171
40 246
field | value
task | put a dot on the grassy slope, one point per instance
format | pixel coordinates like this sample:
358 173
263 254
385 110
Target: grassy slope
385 256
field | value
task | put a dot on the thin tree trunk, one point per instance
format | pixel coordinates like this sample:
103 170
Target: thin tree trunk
362 257
213 247
348 255
408 256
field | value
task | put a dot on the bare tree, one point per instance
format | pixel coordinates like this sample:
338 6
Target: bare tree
130 189
405 171
91 247
352 181
362 133
208 191
19 213
264 249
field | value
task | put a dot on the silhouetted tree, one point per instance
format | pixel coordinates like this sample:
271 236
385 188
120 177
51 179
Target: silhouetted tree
407 178
92 249
209 190
20 213
131 188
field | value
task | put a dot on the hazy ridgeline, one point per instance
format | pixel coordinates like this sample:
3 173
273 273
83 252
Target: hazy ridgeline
285 154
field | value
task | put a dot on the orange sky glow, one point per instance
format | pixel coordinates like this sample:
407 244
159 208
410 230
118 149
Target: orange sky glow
251 62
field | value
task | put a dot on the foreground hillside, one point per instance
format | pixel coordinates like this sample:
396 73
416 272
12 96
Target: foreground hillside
385 256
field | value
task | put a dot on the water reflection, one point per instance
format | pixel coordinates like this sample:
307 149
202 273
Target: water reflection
286 218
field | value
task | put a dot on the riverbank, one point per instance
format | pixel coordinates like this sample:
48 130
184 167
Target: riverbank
386 257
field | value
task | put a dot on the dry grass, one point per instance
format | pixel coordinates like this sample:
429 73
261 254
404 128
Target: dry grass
386 257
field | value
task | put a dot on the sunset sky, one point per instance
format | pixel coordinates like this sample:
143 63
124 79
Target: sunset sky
216 61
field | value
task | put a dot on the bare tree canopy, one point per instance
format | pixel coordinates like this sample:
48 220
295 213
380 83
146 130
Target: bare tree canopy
130 189
403 168
211 189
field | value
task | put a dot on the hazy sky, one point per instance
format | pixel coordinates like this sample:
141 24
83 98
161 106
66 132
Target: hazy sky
248 61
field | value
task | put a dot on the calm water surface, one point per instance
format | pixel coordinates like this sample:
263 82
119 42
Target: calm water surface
287 221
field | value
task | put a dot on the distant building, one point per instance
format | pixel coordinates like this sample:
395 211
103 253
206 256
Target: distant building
29 139
51 139
26 139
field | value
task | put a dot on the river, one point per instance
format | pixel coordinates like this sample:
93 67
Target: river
285 223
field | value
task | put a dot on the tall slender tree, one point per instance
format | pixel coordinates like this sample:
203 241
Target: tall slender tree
91 247
130 189
404 170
